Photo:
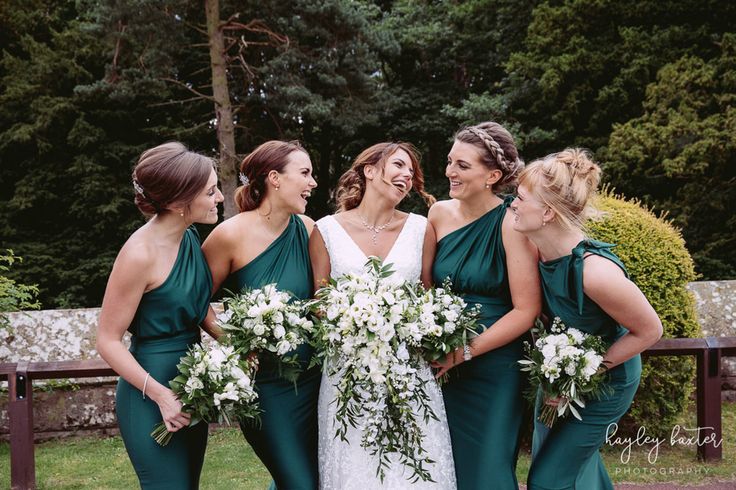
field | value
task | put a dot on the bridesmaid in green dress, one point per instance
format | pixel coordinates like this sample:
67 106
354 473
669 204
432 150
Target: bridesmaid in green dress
268 242
492 265
159 290
586 286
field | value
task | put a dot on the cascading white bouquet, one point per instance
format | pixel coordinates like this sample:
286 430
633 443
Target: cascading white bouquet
266 320
214 384
370 335
567 364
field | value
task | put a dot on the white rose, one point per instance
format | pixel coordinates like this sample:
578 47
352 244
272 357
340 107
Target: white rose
278 331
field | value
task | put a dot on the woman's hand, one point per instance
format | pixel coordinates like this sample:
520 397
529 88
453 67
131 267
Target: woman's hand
170 408
553 402
450 361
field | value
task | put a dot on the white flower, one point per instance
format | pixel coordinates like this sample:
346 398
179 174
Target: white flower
279 331
225 316
193 383
259 329
283 347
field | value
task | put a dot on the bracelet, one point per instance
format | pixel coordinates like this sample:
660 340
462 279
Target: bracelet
145 382
467 355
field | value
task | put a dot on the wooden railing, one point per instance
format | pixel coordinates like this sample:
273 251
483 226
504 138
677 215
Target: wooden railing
708 353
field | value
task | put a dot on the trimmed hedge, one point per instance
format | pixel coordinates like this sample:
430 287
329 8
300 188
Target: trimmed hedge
658 262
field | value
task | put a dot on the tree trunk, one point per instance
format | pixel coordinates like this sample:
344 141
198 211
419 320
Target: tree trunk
223 108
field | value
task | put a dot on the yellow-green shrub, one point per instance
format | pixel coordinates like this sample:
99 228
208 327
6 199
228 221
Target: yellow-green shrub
658 262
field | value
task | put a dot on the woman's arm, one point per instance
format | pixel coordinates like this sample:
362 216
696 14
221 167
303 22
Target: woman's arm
605 283
526 296
218 249
428 252
125 288
320 259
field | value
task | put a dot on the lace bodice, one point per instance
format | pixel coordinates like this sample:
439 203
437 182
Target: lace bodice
346 465
347 257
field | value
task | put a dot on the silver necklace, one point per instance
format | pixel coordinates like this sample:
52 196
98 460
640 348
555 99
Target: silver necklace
376 229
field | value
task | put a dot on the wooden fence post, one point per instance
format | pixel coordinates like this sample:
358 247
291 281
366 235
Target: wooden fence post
709 402
20 413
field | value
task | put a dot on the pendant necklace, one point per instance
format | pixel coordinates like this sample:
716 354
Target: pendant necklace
376 229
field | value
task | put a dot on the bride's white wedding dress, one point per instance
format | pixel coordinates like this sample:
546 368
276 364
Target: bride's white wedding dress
344 466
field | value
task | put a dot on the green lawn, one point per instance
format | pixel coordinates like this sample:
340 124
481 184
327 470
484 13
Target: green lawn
102 463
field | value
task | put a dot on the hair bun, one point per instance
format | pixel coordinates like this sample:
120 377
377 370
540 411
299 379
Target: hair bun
581 166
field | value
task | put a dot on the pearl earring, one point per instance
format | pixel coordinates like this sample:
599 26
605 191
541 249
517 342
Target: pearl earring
488 186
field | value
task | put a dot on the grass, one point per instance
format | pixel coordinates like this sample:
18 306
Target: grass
230 463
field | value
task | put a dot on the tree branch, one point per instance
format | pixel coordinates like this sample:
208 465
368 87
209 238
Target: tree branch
184 85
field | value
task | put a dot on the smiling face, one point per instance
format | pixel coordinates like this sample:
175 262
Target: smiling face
203 209
530 213
394 179
467 174
295 183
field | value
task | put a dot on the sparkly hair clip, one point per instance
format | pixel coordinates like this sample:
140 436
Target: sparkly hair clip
138 188
243 179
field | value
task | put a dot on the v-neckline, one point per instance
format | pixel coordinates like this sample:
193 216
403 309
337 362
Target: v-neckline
393 245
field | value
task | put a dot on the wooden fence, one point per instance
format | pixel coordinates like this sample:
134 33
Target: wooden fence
708 353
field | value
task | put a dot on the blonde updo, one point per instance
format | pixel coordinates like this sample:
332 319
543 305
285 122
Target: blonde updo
351 186
169 174
566 182
497 149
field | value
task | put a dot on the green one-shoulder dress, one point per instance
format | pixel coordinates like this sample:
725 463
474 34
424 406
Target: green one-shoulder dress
566 456
483 397
165 325
286 439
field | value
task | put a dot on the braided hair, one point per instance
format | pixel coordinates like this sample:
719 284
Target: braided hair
497 149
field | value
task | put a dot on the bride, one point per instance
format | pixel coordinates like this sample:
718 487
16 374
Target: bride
368 224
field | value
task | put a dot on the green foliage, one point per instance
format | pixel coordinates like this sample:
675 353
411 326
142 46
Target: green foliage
86 85
658 262
680 155
14 296
585 63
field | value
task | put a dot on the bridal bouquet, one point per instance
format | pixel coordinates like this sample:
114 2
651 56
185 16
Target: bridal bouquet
214 384
565 363
364 339
265 320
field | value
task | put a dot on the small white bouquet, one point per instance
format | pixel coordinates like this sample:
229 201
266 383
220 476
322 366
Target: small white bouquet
438 321
266 320
565 362
213 385
371 335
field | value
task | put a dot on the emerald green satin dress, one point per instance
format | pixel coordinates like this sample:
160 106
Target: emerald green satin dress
165 325
483 397
566 456
286 440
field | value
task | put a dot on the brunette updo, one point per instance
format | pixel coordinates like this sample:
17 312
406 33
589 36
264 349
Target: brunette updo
271 155
566 182
351 186
169 174
497 149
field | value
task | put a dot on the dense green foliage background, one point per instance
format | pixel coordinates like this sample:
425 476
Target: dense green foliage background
86 85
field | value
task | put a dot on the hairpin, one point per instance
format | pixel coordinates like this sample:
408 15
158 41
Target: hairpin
243 179
138 188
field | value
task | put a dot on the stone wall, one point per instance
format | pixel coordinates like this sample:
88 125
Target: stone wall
87 405
716 306
61 407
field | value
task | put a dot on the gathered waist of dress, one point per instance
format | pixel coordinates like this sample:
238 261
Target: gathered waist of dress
491 307
159 345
